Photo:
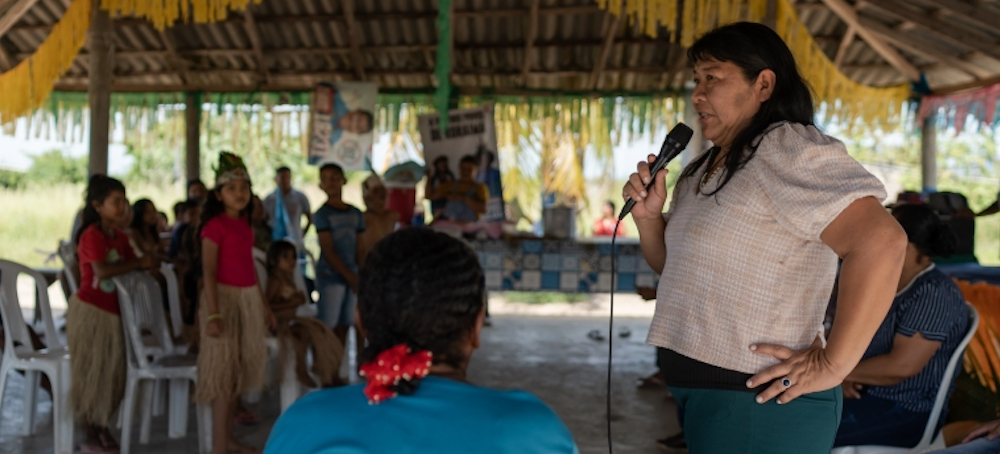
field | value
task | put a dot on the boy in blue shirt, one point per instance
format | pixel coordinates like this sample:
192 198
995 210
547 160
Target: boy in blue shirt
337 225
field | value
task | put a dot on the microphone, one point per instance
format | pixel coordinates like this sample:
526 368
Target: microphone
673 145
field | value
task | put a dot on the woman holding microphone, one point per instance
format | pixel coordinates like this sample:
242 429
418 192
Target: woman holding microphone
747 254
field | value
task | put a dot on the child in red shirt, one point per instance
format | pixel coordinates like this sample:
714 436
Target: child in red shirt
233 313
94 327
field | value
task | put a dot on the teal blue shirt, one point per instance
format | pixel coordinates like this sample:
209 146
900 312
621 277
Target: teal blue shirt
442 417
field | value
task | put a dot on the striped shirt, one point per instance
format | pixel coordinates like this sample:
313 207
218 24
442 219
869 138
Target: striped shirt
933 306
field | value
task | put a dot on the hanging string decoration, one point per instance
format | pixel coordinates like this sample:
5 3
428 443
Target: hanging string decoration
846 99
165 13
26 86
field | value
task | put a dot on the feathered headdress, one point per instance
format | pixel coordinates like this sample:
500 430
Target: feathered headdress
231 168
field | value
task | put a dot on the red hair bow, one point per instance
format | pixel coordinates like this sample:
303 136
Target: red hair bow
389 367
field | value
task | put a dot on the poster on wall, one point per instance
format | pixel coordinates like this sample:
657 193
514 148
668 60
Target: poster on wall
341 125
471 136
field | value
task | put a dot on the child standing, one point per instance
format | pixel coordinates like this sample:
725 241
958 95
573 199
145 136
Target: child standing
94 326
302 334
233 314
380 221
337 225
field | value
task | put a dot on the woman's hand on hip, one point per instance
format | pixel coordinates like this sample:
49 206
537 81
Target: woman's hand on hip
990 430
800 372
649 204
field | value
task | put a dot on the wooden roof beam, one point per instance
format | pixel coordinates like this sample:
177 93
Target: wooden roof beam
14 14
845 44
529 40
353 39
924 48
849 15
173 58
6 62
977 14
253 33
610 30
975 41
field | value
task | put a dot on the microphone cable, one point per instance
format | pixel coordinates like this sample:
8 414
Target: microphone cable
611 325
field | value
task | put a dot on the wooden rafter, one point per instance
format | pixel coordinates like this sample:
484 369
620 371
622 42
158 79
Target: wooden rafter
529 40
977 14
173 58
353 39
14 14
848 14
610 30
253 33
924 48
6 62
845 44
960 36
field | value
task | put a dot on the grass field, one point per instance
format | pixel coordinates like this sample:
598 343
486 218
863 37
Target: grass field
36 218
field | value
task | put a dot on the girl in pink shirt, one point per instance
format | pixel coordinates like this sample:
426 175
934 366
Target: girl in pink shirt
233 313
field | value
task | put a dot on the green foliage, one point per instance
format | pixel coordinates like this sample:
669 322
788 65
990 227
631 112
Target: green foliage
545 297
10 179
56 167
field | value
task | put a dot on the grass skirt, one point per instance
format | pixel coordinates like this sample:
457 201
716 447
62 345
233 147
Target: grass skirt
97 362
234 362
302 335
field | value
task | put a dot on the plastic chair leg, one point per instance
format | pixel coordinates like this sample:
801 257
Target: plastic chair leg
204 415
159 398
62 415
291 389
146 391
178 412
4 370
128 410
31 381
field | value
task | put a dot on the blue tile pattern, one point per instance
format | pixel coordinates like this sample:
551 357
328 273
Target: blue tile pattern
568 266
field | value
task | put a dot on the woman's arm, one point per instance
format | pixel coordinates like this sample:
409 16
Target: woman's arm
648 212
908 357
872 246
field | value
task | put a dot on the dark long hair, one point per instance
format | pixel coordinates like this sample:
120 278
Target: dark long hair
99 187
754 47
278 250
424 289
213 207
925 230
138 223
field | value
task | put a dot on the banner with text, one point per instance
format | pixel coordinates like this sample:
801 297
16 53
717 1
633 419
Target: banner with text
470 133
341 125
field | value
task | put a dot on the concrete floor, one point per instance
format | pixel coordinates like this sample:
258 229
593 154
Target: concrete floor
550 357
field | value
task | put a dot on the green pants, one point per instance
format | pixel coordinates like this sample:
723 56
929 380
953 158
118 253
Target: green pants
731 422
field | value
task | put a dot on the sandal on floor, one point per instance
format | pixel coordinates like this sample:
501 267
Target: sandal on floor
652 381
596 335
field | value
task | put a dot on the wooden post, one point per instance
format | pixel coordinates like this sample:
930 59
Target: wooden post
102 63
928 155
192 135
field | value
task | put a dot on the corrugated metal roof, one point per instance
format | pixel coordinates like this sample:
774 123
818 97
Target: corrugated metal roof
307 41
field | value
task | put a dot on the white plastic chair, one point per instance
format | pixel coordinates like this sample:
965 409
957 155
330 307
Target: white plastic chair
20 355
141 312
173 299
68 256
932 439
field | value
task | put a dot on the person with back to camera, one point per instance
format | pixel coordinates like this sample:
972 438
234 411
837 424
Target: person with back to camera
890 394
421 310
747 255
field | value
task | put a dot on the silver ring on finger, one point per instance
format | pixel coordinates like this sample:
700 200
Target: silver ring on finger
786 382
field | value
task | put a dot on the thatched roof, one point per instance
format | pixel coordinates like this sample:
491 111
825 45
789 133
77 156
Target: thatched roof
500 46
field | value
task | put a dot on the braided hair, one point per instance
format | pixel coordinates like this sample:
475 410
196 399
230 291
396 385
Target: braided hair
424 289
925 230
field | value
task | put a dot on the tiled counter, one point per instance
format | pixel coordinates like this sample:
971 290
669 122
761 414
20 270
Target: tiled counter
564 266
